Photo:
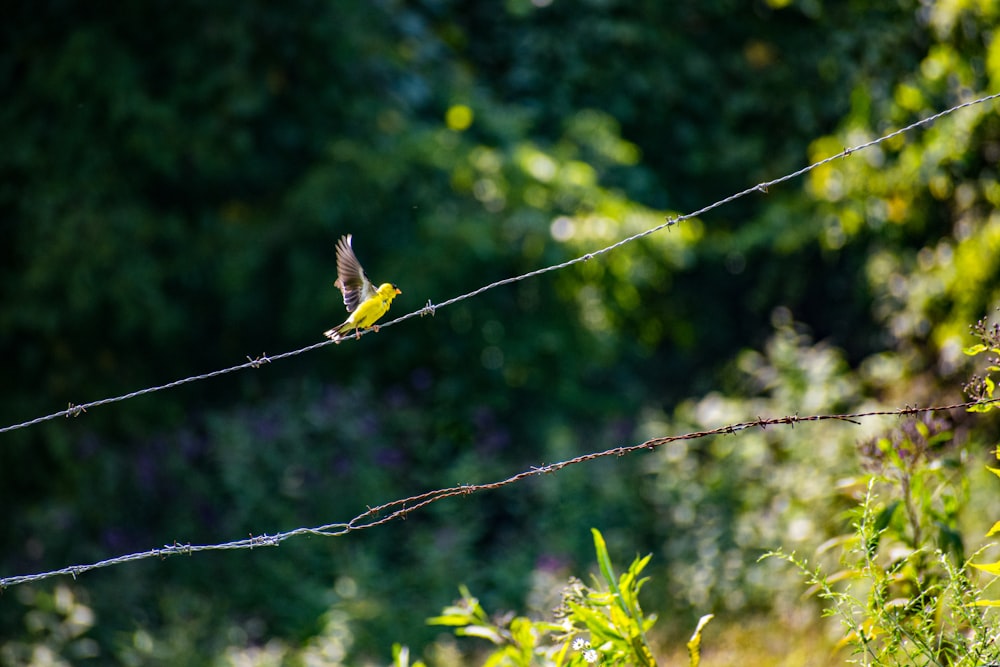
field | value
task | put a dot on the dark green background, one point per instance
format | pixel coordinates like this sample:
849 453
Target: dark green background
173 178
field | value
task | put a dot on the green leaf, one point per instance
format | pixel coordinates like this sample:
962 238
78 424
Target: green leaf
449 619
522 633
975 349
560 657
598 624
497 658
604 560
400 655
694 644
994 530
992 568
481 631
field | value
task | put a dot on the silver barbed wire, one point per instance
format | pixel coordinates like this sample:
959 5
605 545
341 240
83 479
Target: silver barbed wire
76 410
397 509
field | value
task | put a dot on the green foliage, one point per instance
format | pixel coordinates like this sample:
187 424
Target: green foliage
694 644
922 206
990 568
173 180
602 624
980 387
56 630
732 496
902 595
929 485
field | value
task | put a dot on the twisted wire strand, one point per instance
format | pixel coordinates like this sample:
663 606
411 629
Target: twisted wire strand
76 410
400 508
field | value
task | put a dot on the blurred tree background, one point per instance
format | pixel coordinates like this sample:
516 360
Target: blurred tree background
172 182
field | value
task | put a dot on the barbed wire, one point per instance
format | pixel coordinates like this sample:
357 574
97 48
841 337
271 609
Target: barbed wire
397 509
430 309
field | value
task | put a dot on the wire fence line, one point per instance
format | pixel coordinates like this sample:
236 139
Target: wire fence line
398 509
429 309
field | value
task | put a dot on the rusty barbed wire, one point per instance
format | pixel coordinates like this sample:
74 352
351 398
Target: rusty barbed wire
397 509
430 308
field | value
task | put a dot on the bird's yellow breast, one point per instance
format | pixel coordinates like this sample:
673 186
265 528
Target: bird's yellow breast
369 312
374 307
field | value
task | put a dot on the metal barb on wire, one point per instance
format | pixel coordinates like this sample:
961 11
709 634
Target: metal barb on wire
673 220
401 508
75 410
259 361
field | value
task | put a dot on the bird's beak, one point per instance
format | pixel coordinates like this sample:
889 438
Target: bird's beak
399 291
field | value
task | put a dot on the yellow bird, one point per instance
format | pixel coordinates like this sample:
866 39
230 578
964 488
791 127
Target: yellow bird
364 303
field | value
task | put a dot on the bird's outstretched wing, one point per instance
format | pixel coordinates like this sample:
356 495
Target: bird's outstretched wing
351 278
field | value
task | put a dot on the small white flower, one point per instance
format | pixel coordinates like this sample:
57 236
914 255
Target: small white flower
580 643
590 655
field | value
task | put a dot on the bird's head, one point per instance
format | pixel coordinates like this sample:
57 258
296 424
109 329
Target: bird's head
388 291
